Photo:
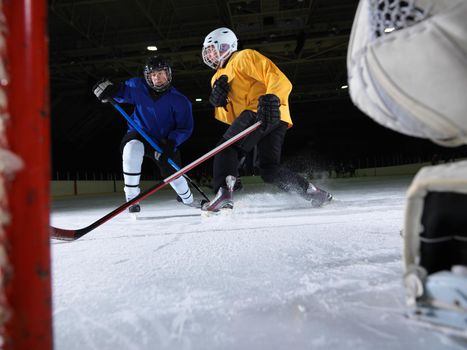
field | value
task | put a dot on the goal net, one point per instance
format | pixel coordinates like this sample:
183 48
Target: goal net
25 290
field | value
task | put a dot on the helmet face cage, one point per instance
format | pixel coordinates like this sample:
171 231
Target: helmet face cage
211 56
218 46
154 64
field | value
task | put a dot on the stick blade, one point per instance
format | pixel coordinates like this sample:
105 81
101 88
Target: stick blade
63 234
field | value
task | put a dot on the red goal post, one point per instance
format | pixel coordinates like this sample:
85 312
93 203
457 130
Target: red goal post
25 294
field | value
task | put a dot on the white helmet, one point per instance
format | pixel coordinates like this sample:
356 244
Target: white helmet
218 46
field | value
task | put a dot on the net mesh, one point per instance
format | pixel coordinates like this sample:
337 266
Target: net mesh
391 15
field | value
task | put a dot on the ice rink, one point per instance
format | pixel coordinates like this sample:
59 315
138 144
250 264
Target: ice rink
276 274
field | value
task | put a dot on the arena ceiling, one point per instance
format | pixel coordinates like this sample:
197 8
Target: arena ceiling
307 39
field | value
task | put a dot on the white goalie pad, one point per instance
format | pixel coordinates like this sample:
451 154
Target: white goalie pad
435 247
440 179
407 66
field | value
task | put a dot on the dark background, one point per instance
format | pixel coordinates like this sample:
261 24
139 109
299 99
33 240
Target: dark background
91 39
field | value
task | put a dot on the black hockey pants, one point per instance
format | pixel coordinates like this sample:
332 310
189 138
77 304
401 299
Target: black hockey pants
269 145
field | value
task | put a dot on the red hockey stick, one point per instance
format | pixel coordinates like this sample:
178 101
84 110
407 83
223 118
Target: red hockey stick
74 234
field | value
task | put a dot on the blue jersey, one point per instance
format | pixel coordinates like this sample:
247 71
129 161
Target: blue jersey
168 117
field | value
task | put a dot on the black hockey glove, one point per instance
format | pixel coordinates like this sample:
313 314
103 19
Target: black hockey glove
168 150
105 90
220 90
268 110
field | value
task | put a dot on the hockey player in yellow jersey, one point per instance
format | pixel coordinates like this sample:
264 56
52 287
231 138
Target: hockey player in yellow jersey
248 87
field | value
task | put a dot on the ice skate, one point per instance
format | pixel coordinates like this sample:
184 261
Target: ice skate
223 200
197 203
134 210
317 196
131 191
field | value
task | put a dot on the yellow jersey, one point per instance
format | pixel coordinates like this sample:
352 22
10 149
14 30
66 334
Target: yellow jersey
251 75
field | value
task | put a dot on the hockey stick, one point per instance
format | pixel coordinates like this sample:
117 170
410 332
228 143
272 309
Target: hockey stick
154 145
74 234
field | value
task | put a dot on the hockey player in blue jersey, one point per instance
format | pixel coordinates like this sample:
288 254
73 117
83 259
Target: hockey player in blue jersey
161 112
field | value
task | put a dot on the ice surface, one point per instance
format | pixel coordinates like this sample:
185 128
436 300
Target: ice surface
276 274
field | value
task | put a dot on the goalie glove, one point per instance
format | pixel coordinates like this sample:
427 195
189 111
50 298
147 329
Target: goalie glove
394 46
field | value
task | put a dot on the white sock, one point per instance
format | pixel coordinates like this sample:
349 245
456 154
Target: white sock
181 187
132 159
